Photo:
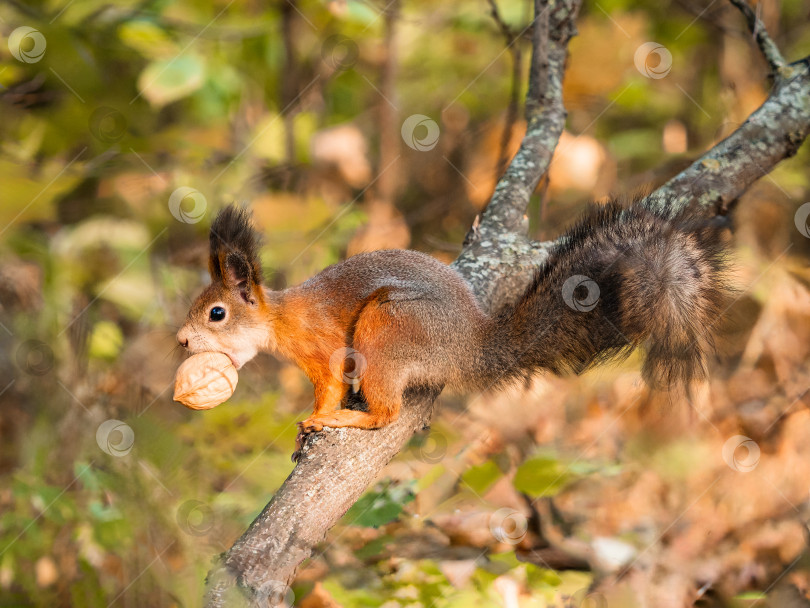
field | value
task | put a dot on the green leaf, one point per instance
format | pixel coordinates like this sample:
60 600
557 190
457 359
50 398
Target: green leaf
132 292
481 477
538 577
374 548
541 476
751 595
148 38
86 475
361 13
378 508
304 126
104 513
504 561
269 139
106 341
168 80
361 598
430 477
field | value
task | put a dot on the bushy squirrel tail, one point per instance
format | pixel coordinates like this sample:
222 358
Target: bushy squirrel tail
619 278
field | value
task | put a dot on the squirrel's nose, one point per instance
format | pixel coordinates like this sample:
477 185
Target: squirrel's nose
182 338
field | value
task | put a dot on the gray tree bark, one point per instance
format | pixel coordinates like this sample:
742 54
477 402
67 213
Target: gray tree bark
498 260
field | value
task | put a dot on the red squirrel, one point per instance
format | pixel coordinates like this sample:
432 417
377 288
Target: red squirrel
619 278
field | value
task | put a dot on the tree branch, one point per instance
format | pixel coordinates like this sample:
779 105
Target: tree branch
335 468
553 26
506 31
498 260
769 50
772 133
497 257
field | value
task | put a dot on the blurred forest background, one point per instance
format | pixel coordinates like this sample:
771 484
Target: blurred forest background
349 126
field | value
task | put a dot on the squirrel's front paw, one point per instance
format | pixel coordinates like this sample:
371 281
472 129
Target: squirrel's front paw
310 425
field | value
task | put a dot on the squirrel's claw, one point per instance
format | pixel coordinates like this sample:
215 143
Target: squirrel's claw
305 428
299 446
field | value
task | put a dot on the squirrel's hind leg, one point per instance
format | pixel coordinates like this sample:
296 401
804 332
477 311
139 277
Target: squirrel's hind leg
383 393
382 388
383 397
382 339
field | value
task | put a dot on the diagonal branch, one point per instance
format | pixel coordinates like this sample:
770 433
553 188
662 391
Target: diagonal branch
771 134
769 49
506 31
334 470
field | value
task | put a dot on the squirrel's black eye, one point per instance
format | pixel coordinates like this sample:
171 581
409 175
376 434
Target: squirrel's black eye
217 313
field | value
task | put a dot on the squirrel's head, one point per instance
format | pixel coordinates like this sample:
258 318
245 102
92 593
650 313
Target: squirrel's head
231 315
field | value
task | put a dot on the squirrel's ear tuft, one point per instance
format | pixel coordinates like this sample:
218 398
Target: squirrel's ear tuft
237 271
234 256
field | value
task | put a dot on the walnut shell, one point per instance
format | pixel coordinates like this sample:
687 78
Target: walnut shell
205 380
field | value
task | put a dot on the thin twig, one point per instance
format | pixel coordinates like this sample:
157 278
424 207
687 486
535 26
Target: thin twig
289 89
506 31
513 45
511 111
769 49
538 72
389 180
